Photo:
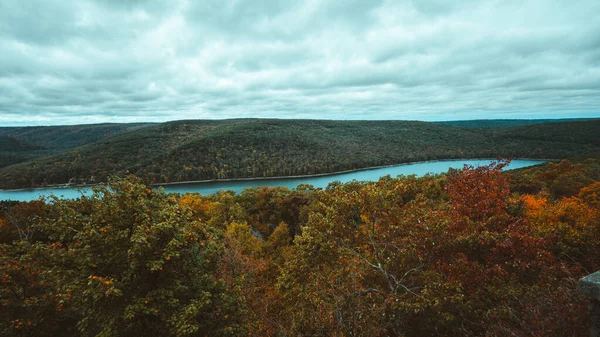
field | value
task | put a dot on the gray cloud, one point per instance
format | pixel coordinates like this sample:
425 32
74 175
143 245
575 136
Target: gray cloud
155 60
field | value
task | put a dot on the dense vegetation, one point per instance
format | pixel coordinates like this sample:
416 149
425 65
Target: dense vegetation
19 144
13 150
490 123
225 149
475 252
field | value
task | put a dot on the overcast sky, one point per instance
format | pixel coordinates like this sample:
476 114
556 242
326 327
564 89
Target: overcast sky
72 62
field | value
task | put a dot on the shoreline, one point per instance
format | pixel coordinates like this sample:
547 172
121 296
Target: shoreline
325 174
267 178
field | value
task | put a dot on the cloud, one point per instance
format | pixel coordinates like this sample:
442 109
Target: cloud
156 60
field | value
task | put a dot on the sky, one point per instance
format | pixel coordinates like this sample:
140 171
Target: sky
92 61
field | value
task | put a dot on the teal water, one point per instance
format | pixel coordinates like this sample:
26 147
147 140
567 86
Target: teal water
205 188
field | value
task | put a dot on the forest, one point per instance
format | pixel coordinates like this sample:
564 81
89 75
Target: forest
473 252
21 144
245 148
490 123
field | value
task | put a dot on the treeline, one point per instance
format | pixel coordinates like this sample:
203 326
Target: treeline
474 252
491 123
226 149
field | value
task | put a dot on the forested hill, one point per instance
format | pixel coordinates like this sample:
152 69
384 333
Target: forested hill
19 144
490 123
225 149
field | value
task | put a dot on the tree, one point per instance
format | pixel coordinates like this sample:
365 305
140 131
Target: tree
133 262
479 192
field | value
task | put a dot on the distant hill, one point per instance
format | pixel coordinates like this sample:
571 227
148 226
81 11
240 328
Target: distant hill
19 144
68 136
8 143
14 151
492 123
225 149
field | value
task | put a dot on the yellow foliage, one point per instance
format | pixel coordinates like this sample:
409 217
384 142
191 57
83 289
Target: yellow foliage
239 235
196 204
570 213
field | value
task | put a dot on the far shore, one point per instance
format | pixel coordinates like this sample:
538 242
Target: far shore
327 174
66 186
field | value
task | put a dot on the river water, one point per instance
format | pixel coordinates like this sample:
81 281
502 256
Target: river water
419 169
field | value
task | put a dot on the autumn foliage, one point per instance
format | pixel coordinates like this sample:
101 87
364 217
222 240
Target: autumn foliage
474 252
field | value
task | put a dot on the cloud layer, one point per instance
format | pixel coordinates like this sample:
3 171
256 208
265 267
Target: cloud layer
89 61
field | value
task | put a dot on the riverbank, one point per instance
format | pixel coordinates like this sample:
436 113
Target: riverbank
330 173
187 182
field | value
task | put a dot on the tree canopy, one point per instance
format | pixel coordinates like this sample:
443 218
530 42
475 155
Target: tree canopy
474 252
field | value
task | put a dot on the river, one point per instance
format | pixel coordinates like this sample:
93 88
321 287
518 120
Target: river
419 169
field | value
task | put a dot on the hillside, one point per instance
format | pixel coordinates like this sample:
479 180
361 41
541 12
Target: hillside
225 149
8 143
492 123
13 150
18 144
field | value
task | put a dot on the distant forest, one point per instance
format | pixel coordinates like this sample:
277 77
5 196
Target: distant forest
19 144
241 148
490 123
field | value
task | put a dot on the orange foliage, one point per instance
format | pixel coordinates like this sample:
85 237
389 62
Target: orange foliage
591 194
534 204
